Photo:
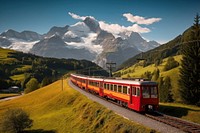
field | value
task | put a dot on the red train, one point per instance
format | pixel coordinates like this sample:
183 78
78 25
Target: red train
137 94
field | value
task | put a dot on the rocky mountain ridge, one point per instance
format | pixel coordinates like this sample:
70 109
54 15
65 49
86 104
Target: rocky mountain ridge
83 40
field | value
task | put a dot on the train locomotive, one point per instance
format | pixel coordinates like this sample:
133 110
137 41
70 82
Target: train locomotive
135 94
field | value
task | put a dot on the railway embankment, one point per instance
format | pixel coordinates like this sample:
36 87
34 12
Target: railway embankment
57 108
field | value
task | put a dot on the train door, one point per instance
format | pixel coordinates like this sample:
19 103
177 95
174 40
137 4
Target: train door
87 82
101 88
135 97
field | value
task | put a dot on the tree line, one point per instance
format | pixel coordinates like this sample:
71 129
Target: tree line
38 71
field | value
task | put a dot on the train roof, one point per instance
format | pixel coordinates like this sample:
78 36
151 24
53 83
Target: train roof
131 82
137 81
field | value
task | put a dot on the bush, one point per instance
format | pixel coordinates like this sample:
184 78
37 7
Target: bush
32 85
15 121
171 63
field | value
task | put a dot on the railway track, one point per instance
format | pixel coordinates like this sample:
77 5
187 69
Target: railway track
183 125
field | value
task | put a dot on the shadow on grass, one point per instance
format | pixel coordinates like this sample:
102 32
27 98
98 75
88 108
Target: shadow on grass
40 131
174 111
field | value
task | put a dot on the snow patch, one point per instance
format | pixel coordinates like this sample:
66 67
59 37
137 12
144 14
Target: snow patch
87 43
70 34
79 29
21 45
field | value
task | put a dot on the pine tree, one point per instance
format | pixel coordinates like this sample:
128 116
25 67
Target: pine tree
168 88
156 74
190 71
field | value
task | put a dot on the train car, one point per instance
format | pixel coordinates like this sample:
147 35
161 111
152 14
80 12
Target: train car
137 94
80 81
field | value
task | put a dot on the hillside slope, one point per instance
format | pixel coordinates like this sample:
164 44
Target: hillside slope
138 70
56 110
168 49
17 68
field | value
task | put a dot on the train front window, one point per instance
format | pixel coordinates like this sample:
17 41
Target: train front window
154 93
137 91
145 92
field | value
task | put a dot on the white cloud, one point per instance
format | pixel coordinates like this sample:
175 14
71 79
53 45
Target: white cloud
118 30
113 28
140 20
75 16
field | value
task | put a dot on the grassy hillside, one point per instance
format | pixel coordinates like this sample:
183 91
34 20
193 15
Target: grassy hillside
168 49
187 112
138 70
17 68
8 95
54 110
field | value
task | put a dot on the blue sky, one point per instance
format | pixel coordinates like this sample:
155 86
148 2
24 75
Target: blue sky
173 16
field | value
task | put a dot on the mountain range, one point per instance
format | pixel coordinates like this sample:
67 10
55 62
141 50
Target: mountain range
83 40
171 48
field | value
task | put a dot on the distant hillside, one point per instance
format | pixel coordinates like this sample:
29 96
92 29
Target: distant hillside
138 70
157 54
17 68
57 111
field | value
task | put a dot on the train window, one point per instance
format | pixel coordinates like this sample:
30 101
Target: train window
134 91
125 89
111 87
119 88
104 86
107 86
137 91
128 89
97 84
145 92
115 88
153 92
101 84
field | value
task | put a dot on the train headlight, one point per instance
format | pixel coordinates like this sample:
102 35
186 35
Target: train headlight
150 106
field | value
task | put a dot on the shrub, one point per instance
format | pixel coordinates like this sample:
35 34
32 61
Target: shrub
171 63
32 85
15 121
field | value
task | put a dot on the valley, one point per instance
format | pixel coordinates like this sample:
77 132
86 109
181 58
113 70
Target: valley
142 55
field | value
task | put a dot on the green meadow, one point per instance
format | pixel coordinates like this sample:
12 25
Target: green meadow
61 111
138 70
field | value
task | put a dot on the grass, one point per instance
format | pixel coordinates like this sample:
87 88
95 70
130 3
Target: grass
19 77
8 95
54 110
4 54
187 112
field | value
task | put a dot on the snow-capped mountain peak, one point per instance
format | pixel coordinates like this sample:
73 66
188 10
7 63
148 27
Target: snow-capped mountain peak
82 40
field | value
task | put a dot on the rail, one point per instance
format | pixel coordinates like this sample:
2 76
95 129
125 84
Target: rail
183 125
